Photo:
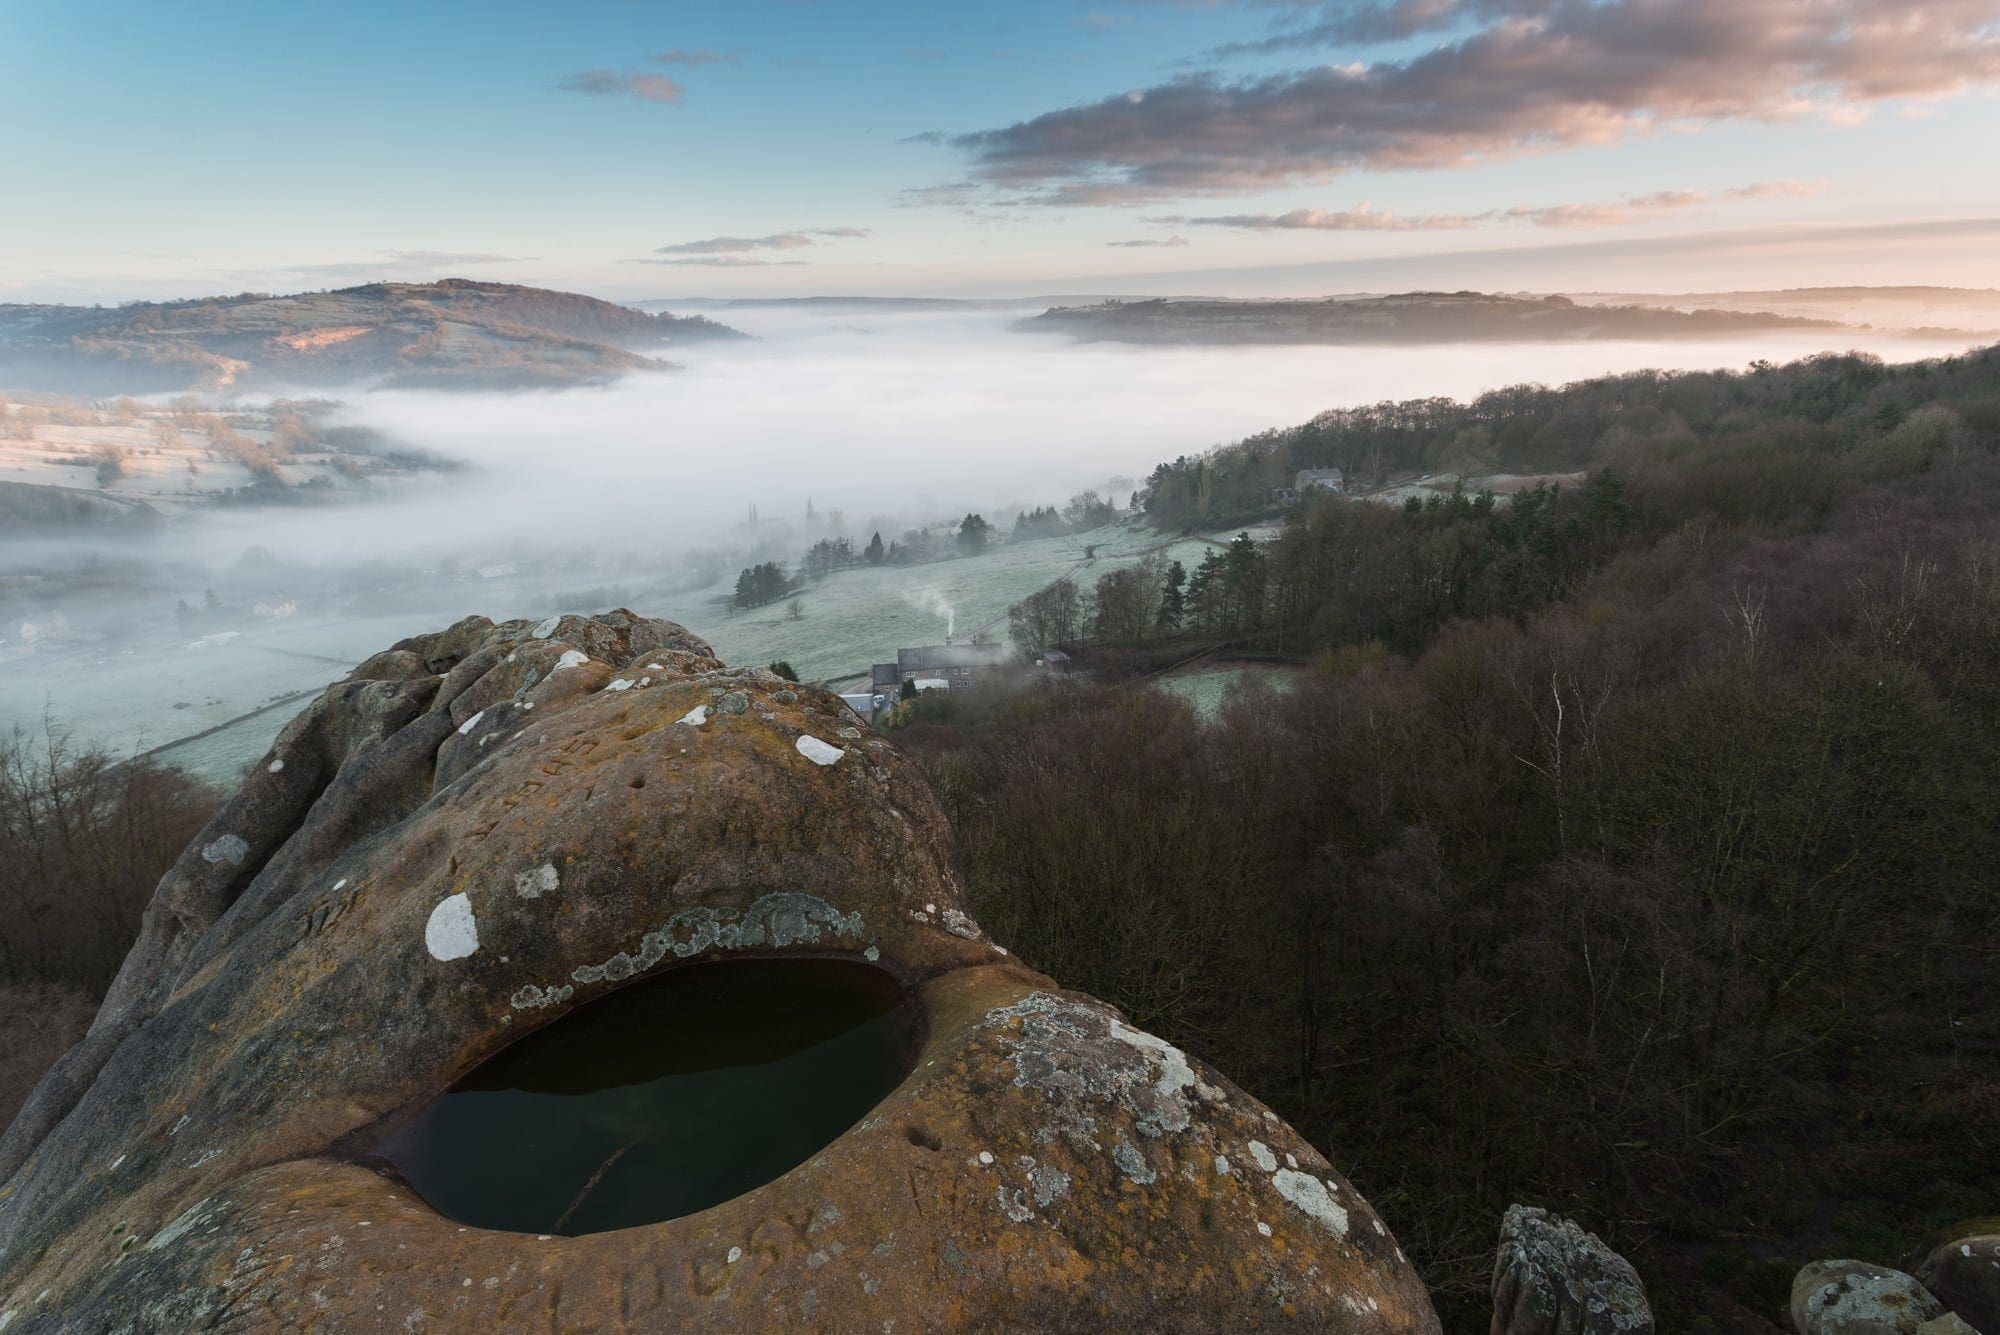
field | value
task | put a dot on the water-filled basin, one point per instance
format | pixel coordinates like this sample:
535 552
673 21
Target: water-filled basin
663 1098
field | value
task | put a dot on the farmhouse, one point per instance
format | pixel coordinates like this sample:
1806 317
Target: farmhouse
941 667
1309 479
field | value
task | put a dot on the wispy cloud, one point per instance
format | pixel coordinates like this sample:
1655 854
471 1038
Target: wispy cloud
1364 217
1137 242
727 245
609 83
719 261
388 264
693 59
445 259
1533 76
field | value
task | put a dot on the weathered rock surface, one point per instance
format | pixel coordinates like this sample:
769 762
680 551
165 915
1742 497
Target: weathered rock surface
482 829
1550 1277
1964 1274
1856 1298
1948 1324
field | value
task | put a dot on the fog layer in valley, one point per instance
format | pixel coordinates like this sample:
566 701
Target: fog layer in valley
639 491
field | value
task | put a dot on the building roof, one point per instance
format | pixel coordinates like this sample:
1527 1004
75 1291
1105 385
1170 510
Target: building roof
884 674
929 656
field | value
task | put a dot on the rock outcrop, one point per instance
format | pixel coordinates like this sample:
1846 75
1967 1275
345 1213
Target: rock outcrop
1856 1298
1550 1277
1964 1274
482 830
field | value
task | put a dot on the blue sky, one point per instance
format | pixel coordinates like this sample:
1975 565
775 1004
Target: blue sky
669 147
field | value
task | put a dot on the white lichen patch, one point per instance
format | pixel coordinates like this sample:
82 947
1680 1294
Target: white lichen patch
532 998
1093 1077
695 717
1176 1076
471 723
546 628
1309 1194
1222 1165
782 918
229 848
619 684
820 753
537 881
1133 1164
275 767
1014 1204
187 1222
1260 1154
451 934
735 1255
570 659
1263 1228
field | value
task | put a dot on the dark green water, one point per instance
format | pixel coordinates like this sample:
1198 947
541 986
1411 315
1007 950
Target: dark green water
665 1098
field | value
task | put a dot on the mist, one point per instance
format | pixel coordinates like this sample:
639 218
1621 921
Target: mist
919 417
200 636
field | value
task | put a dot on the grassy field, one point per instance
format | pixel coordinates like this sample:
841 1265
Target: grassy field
1209 686
213 703
854 618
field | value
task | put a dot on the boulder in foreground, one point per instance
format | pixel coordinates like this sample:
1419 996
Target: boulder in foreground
480 834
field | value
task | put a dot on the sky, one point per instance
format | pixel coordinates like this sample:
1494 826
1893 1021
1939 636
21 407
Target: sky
673 148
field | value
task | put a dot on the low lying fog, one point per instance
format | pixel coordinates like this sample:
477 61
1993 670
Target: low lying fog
919 417
203 638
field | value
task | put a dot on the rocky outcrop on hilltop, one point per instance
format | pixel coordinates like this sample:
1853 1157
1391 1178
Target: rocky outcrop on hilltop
482 832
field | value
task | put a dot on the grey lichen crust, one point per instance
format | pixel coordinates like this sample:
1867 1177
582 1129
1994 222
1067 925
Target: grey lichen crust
1856 1298
1551 1277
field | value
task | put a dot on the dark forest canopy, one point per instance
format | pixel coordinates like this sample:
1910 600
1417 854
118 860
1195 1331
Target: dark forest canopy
1829 402
1624 848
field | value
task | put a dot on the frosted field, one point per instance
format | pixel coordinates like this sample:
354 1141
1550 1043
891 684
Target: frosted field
1209 688
860 617
146 695
168 689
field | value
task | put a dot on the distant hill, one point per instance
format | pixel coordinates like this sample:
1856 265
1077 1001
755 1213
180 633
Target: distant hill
1932 312
1412 317
819 303
453 334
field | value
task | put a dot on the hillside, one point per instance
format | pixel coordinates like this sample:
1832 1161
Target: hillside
1971 312
127 464
1411 317
453 334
